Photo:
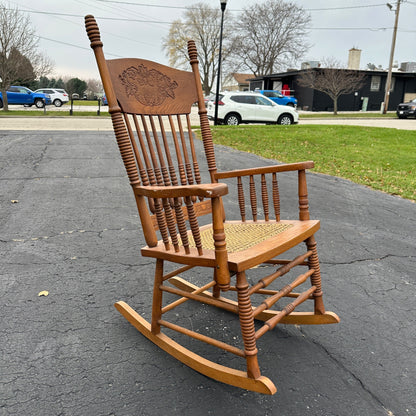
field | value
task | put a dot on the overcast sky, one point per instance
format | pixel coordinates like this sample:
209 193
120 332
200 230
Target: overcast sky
336 26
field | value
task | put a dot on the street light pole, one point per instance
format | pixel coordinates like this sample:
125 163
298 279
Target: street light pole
393 45
223 5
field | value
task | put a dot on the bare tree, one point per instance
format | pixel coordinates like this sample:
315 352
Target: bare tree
202 24
269 35
42 65
332 80
19 56
94 87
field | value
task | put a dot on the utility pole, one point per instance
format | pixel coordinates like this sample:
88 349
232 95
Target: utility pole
393 45
223 6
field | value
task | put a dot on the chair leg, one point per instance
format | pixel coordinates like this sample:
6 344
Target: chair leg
245 312
157 298
313 263
216 291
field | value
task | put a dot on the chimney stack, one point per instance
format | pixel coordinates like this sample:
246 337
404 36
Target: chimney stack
354 58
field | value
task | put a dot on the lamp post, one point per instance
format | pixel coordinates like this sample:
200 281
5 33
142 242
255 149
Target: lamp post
393 44
223 5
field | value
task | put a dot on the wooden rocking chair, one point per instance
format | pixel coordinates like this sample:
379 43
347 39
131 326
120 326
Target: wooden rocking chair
150 106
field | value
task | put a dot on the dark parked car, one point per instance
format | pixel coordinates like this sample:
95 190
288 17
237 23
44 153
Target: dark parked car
405 110
25 96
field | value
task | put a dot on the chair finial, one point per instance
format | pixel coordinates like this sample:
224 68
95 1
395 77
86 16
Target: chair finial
192 52
93 31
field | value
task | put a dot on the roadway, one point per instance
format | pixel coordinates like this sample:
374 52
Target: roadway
104 123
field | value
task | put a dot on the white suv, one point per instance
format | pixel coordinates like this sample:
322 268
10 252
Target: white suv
58 96
250 107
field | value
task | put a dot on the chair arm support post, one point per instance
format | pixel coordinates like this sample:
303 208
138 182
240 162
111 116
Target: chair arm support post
148 230
222 274
303 196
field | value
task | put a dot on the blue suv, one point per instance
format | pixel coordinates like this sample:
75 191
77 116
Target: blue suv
279 98
25 96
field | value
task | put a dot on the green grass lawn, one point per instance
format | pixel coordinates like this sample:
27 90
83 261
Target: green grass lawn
381 158
357 114
83 102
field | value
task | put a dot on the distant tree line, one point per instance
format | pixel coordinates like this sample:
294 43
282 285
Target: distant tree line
91 88
44 82
71 86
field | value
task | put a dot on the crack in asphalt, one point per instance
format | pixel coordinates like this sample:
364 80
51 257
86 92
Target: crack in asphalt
64 233
337 263
374 396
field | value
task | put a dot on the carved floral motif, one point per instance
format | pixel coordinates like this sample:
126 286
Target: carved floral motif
149 87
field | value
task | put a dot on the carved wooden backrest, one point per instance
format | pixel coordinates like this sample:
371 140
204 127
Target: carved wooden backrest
150 106
146 87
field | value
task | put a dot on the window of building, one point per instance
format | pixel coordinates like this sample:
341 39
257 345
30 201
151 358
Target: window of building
393 83
375 83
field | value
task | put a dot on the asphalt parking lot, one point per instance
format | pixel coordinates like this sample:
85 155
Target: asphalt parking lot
69 226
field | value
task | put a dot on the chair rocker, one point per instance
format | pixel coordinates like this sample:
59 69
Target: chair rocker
150 106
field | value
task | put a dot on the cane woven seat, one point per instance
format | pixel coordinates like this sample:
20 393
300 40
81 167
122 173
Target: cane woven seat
150 106
242 235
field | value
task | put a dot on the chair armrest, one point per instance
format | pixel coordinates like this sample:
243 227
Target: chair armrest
209 190
300 168
285 167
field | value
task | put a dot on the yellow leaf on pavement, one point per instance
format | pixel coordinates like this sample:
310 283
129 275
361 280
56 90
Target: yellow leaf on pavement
43 293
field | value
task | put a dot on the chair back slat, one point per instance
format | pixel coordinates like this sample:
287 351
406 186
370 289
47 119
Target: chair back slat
161 222
188 168
154 166
194 224
161 157
171 223
181 166
180 220
197 174
169 159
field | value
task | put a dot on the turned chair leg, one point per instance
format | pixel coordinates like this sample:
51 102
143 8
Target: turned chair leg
313 263
216 291
245 312
157 297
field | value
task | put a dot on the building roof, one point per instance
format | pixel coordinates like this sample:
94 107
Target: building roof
242 78
366 71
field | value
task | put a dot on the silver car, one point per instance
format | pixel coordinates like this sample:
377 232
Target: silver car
58 96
